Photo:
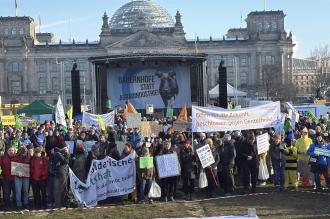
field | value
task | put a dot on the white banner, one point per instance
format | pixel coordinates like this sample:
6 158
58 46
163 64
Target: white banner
59 113
263 143
211 119
90 119
134 120
106 178
168 165
205 156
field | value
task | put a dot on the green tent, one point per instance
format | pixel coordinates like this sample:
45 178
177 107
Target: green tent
37 107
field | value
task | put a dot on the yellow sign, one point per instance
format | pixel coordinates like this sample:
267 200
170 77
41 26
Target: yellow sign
321 102
8 120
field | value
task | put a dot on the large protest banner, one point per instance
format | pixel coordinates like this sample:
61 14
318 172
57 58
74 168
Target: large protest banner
262 143
89 119
106 178
134 120
168 165
160 85
212 119
205 156
20 169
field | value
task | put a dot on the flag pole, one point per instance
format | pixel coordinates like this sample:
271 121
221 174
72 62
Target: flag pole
16 8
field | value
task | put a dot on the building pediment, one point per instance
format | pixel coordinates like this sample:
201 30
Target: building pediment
145 39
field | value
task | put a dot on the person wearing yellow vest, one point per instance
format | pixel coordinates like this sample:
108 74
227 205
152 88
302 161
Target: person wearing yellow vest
291 174
303 144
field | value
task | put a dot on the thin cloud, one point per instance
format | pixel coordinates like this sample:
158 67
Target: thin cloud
62 22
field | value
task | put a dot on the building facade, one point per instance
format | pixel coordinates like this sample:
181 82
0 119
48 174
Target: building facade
35 66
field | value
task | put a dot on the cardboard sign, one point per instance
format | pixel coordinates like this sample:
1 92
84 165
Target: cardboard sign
150 129
71 146
134 120
169 112
168 165
181 126
149 109
205 156
146 162
262 143
88 145
8 120
20 169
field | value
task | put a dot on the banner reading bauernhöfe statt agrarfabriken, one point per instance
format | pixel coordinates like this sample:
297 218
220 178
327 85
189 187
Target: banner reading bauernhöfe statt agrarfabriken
106 178
212 119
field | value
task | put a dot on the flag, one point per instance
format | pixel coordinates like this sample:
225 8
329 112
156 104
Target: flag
59 113
129 108
39 24
311 115
183 116
101 121
69 112
196 45
16 8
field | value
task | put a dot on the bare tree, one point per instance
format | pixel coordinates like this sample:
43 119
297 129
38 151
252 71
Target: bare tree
271 83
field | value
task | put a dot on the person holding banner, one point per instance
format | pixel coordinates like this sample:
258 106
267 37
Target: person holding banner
188 169
146 174
168 184
78 163
318 162
22 182
8 186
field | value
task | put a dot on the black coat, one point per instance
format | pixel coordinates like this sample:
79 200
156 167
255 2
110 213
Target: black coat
249 149
188 165
227 155
79 166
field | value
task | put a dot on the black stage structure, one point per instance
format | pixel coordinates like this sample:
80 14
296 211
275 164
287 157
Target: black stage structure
196 63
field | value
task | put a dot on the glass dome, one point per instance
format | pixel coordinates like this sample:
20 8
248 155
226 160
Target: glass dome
140 14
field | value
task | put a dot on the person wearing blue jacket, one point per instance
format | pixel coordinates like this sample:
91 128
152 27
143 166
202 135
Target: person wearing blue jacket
319 163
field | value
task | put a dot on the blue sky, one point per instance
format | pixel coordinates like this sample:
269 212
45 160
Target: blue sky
308 20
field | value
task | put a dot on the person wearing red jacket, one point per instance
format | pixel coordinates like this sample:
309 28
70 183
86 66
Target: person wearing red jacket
39 176
8 179
22 182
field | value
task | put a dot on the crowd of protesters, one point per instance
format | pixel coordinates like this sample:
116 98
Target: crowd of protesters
290 160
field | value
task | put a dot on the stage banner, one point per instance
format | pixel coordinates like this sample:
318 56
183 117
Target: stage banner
89 119
212 119
162 86
106 178
168 165
263 143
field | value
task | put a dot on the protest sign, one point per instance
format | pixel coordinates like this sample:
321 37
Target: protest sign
158 115
322 152
169 112
149 128
20 169
213 119
181 126
262 143
71 146
134 120
146 162
168 165
149 109
88 145
106 178
8 120
205 155
120 146
89 119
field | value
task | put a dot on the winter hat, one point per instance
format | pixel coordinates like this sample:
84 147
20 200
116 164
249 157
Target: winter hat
37 150
186 142
227 137
209 141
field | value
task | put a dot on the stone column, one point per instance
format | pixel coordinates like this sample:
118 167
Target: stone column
3 79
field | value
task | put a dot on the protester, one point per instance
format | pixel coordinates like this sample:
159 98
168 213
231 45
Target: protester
168 184
39 175
8 179
250 163
227 160
78 163
146 176
212 170
188 169
291 166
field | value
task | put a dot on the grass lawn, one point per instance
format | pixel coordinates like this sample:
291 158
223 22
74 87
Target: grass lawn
268 205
